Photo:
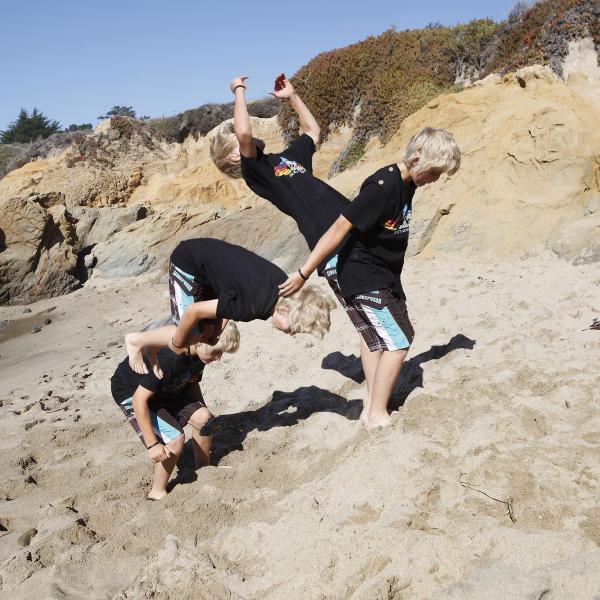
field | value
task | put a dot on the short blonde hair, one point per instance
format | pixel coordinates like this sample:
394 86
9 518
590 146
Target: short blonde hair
308 311
223 143
435 149
229 341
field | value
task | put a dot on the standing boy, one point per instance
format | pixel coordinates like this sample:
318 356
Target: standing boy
370 262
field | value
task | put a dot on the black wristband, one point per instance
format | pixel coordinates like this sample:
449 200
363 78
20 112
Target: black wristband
302 275
237 86
152 445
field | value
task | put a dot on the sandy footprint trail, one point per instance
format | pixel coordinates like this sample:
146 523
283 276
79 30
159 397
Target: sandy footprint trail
501 386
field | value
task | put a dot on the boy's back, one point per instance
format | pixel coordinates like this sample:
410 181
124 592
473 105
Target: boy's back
178 372
286 179
245 284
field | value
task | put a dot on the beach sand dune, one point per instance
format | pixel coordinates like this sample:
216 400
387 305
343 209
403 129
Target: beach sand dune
486 485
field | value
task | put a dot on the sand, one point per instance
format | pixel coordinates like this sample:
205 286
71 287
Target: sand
500 393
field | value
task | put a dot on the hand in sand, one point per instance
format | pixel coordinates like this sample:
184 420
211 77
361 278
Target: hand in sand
293 283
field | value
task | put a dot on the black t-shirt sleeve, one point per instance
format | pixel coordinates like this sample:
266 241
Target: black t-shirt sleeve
369 208
253 172
302 151
231 305
149 381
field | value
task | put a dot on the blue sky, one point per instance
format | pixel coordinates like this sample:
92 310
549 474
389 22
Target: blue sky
76 59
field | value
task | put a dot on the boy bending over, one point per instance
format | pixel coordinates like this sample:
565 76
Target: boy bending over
213 280
158 409
370 262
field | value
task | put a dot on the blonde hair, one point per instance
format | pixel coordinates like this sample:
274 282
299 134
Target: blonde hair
223 143
434 149
308 311
229 341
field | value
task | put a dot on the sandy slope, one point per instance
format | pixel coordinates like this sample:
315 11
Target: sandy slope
502 385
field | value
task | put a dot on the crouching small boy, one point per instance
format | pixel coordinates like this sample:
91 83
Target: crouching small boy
158 409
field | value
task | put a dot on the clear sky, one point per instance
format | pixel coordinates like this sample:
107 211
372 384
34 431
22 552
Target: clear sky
74 60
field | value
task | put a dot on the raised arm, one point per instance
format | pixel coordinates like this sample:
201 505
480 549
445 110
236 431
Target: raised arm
241 118
193 313
308 123
330 240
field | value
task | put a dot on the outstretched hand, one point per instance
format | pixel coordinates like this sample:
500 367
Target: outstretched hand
241 80
283 88
293 283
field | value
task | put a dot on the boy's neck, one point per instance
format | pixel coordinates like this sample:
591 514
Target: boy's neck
404 172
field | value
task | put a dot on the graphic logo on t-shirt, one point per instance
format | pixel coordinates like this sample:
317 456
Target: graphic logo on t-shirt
399 224
288 167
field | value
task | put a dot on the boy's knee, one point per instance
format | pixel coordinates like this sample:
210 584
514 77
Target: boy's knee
200 418
176 445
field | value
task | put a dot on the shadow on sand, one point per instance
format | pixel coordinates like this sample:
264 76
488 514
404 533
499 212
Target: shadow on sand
411 375
289 408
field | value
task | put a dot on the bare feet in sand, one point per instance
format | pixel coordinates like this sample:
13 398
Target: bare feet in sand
378 420
157 494
364 415
136 358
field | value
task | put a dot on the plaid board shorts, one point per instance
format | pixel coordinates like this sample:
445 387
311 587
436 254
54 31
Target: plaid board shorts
169 415
382 319
380 316
183 291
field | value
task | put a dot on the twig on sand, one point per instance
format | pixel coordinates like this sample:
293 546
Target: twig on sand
595 325
508 502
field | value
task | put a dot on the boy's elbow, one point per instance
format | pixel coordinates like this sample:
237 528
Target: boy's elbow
315 134
244 136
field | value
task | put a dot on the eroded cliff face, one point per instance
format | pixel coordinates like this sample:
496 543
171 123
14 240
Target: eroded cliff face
118 202
530 168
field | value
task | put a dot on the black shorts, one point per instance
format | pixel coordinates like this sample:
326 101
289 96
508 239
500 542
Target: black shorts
382 319
184 290
169 415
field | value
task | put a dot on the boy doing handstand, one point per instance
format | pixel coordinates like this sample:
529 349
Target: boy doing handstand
285 178
158 409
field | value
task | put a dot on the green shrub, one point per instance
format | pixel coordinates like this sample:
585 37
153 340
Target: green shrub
383 79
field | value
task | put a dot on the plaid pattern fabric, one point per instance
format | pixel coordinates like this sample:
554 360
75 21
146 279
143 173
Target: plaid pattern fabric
382 319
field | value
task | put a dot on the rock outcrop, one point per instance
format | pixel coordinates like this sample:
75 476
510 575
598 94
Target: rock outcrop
118 202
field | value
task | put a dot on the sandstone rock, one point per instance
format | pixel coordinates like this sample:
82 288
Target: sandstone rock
36 258
579 240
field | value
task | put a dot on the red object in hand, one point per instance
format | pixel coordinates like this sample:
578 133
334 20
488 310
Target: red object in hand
279 82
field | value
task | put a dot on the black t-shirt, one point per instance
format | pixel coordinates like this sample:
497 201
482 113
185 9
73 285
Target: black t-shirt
245 284
374 254
179 372
286 180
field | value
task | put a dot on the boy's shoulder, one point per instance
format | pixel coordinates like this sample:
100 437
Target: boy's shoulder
385 178
175 366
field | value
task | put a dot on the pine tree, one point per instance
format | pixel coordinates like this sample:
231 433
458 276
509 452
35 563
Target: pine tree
119 111
27 128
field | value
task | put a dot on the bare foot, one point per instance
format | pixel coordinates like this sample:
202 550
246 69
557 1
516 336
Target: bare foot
364 415
153 357
157 494
379 420
136 358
